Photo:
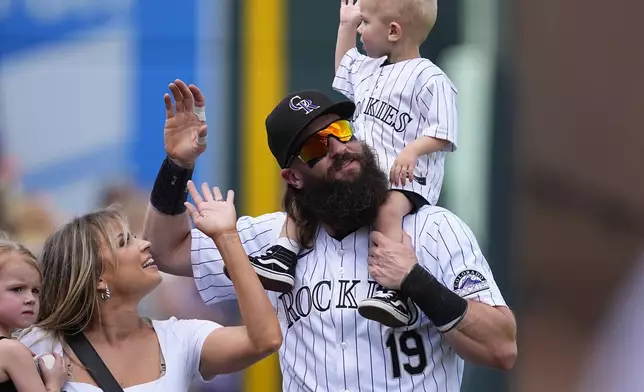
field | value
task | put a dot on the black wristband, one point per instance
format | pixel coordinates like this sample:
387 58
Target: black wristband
170 191
442 306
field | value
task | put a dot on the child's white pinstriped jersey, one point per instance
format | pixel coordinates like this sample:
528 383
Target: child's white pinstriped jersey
395 105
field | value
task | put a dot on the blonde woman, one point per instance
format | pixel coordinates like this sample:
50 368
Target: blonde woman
95 273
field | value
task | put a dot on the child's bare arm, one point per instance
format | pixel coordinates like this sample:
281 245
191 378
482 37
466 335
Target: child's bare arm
426 145
349 21
22 370
391 214
18 363
403 167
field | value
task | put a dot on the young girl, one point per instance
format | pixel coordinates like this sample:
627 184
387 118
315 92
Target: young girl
20 279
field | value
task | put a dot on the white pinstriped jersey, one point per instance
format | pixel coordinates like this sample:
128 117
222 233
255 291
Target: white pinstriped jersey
395 105
327 345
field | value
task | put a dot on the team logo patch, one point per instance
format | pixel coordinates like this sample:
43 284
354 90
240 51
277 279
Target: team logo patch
297 103
470 282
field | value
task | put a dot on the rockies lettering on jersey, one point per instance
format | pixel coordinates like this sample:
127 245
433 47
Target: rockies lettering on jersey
298 305
397 104
327 345
386 113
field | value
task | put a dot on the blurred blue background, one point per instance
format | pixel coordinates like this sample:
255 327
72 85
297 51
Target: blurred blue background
82 83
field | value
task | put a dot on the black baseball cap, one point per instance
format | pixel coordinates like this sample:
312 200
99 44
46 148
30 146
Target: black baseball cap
286 123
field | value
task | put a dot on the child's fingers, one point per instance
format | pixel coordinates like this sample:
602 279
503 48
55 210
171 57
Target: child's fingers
396 177
192 210
410 172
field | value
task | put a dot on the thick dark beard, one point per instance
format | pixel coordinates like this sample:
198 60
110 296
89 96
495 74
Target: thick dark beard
342 205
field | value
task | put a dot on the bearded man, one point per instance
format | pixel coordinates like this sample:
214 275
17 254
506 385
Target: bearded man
334 190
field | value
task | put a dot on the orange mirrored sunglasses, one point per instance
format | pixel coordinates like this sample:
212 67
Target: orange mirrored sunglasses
317 145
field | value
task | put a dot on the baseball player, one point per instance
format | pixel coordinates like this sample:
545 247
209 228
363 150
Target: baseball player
406 111
458 310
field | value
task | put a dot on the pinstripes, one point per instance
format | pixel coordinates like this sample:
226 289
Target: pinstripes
289 342
419 98
326 364
442 361
384 355
393 88
371 133
389 86
418 244
368 323
313 356
355 314
344 365
432 354
305 280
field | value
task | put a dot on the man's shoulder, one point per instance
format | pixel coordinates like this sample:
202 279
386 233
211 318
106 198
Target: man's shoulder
268 220
429 219
429 213
262 223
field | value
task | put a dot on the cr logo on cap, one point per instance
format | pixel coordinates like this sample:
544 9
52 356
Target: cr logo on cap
303 104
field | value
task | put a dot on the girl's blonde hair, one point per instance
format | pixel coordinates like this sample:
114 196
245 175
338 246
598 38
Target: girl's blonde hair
72 264
8 246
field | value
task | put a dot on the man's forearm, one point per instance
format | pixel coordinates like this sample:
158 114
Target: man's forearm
486 336
346 41
170 239
167 224
480 333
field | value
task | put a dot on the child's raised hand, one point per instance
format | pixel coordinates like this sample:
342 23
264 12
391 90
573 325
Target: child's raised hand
350 12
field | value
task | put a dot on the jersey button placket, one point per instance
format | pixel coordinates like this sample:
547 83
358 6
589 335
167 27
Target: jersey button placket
341 255
341 344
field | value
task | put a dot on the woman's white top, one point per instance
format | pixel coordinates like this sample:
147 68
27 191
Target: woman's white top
180 341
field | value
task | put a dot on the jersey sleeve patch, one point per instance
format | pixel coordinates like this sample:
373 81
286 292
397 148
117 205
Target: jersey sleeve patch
470 282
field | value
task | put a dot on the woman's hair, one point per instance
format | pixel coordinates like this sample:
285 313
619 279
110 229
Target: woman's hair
72 264
7 247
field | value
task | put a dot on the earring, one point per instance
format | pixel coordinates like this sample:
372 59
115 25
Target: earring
106 295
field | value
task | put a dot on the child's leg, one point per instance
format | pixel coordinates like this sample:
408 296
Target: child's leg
391 214
386 306
276 267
